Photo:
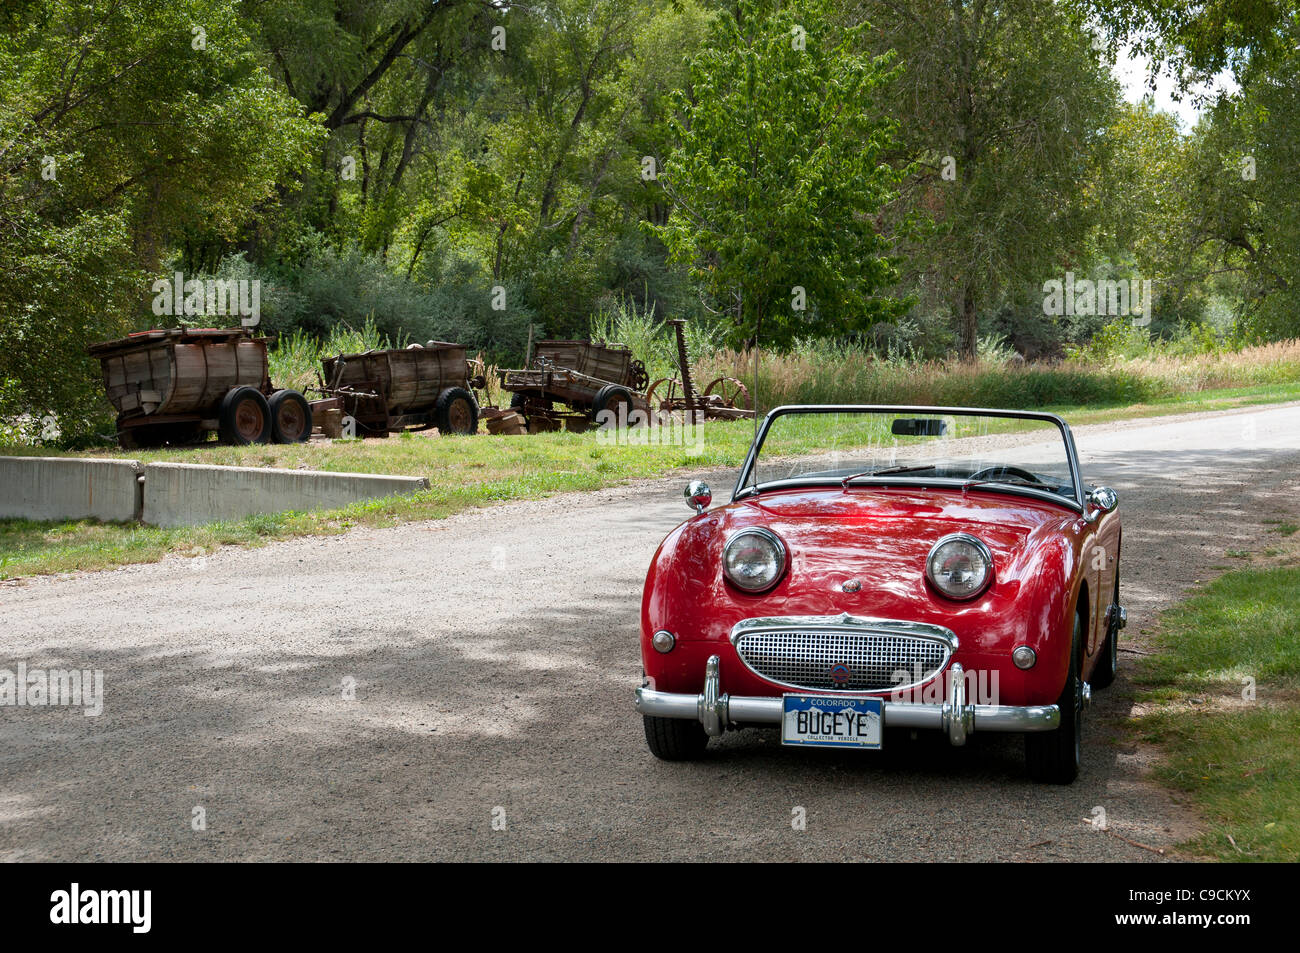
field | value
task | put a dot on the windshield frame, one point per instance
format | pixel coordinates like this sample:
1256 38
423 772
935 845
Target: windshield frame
1078 503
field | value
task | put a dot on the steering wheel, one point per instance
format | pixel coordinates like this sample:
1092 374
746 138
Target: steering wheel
1004 471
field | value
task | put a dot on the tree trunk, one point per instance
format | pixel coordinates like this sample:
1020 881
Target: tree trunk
967 332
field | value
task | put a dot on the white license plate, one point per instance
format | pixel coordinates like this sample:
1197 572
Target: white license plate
830 721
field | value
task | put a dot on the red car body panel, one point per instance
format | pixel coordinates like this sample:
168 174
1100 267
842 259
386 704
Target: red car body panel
1046 557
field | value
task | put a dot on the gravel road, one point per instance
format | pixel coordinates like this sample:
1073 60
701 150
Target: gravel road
493 657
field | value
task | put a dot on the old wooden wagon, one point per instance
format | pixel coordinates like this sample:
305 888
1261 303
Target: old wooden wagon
589 377
417 387
171 386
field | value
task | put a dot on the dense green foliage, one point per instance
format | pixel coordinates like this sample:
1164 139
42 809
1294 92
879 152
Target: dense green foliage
117 138
778 173
897 178
1233 228
1007 108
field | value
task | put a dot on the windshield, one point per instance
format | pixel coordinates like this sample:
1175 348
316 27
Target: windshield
912 446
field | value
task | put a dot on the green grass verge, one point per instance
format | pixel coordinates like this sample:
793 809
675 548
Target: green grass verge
1237 758
465 472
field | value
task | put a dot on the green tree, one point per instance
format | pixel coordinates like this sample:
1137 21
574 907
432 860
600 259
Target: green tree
1147 197
475 144
1006 105
1242 208
122 126
778 176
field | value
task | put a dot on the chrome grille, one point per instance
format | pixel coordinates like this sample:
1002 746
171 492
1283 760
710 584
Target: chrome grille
806 657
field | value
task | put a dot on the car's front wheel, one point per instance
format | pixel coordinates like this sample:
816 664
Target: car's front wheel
1053 756
674 739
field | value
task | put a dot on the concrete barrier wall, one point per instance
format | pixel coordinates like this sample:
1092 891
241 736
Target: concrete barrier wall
64 488
183 494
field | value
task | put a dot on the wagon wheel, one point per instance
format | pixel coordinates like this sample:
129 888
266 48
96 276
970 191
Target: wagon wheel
245 417
639 377
616 399
663 393
732 392
290 417
456 412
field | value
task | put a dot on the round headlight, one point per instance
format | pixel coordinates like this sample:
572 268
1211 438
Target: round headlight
754 559
960 566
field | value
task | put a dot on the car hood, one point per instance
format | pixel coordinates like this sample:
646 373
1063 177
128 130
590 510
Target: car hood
887 527
878 537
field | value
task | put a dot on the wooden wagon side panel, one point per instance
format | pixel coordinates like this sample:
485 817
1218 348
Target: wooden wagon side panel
204 371
609 364
409 380
358 369
571 354
604 362
139 380
420 374
452 366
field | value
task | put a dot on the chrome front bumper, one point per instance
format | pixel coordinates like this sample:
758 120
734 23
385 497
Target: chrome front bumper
718 712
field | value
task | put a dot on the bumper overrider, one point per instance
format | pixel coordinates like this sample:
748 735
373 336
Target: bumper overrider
717 711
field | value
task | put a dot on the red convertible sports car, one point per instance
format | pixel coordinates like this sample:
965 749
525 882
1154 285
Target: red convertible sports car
888 567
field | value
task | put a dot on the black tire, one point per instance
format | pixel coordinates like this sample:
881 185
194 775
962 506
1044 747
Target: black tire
239 418
608 398
456 412
1052 757
1103 676
674 739
290 417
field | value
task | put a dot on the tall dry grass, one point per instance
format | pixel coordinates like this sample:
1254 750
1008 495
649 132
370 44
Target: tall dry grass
1274 363
824 374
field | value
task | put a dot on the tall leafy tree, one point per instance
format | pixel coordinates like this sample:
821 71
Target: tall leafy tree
1007 106
122 125
485 140
778 176
1243 208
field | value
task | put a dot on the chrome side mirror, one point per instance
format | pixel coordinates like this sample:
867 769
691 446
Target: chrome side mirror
1104 499
698 495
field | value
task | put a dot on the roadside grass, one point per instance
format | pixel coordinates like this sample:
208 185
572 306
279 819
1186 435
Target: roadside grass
1234 753
28 547
464 472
